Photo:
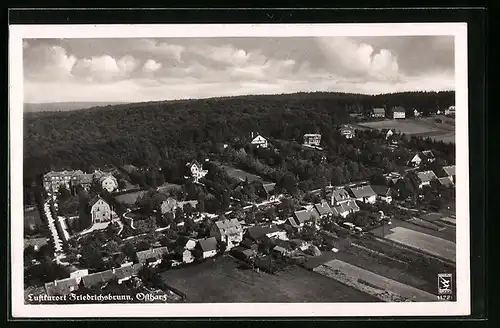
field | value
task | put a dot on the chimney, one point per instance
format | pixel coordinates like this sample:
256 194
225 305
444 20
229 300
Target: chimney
252 134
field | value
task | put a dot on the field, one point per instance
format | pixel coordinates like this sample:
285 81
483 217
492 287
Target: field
239 174
129 198
426 224
422 127
447 233
383 288
222 281
427 243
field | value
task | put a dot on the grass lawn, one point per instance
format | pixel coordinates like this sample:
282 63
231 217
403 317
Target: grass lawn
221 281
129 198
239 174
448 233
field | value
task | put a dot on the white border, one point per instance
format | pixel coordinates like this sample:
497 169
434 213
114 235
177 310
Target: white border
20 310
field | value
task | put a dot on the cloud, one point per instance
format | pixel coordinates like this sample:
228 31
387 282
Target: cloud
44 63
104 68
161 49
151 66
350 58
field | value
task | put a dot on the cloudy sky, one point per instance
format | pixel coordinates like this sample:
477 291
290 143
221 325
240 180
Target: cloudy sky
132 70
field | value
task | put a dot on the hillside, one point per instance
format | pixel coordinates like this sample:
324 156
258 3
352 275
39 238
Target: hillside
146 133
63 106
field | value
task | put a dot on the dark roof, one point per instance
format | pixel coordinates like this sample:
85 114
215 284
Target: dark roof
155 253
228 226
362 192
379 110
96 199
428 153
323 208
98 277
247 243
208 244
35 242
398 109
258 232
283 243
124 272
297 242
61 287
305 215
381 190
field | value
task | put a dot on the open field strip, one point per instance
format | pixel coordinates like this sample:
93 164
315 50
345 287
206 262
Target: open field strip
425 224
404 126
366 281
379 254
427 243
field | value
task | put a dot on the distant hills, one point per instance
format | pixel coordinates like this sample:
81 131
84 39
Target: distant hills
64 106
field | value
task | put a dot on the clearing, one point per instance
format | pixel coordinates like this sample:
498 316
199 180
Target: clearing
221 281
238 174
425 242
386 289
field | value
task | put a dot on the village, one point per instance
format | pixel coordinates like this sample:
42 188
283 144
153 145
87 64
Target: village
230 233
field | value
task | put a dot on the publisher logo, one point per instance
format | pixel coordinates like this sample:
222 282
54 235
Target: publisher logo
444 283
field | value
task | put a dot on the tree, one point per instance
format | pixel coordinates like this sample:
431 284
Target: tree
188 209
63 193
92 257
129 250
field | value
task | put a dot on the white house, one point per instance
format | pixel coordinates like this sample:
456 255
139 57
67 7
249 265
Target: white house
197 171
398 113
100 211
383 193
184 255
364 194
342 203
108 183
425 178
259 141
450 111
229 231
347 132
312 139
416 113
208 247
415 161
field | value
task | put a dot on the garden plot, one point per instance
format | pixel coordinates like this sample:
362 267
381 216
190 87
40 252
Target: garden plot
385 289
425 242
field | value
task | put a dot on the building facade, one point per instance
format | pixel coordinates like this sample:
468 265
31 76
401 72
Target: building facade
100 211
311 139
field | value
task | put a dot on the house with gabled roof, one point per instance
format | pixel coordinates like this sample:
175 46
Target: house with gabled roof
387 133
342 203
153 256
383 193
302 217
415 161
323 209
449 171
100 211
228 231
425 178
258 141
61 287
428 155
446 181
378 112
183 255
312 139
398 112
363 194
124 273
98 278
347 131
208 247
196 171
268 191
259 232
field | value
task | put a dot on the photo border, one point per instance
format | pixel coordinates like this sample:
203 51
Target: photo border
17 32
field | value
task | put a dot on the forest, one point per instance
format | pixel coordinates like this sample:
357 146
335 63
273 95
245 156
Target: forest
168 134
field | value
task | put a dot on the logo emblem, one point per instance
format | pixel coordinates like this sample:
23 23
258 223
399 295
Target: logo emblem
444 283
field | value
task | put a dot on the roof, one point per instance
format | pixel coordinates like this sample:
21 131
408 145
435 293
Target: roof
61 287
247 243
193 203
352 205
446 181
363 191
124 272
449 170
398 109
63 173
305 215
428 153
285 244
182 241
98 277
245 251
258 139
228 226
268 187
86 178
279 249
323 208
312 135
109 176
381 190
39 242
258 232
426 176
340 194
208 244
156 253
297 242
379 111
95 200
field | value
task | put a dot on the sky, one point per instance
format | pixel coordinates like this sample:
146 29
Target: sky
140 69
